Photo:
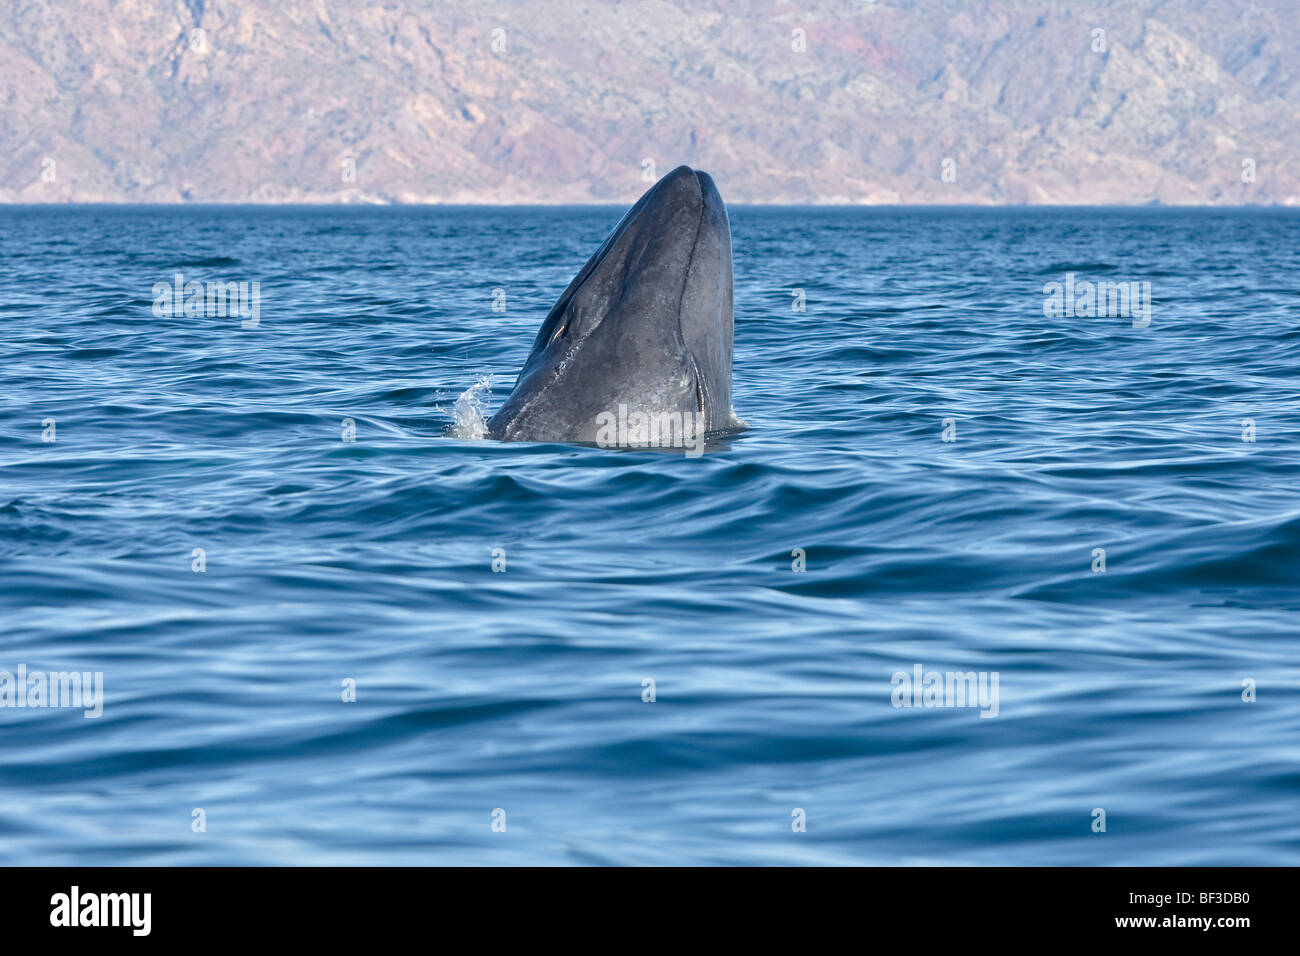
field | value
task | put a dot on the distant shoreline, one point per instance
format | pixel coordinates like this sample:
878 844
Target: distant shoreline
358 206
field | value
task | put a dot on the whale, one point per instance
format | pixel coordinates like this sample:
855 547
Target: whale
640 343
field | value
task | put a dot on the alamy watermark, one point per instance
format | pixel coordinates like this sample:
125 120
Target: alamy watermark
210 299
923 688
75 689
636 429
75 908
1113 300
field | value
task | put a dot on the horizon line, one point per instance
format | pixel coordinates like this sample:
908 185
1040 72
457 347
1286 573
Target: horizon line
617 204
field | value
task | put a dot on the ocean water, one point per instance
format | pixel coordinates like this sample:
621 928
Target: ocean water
202 533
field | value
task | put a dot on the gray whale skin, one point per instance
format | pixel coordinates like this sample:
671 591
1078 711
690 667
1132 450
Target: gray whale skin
646 326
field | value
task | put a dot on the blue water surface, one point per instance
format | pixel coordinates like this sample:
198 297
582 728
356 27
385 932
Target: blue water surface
517 696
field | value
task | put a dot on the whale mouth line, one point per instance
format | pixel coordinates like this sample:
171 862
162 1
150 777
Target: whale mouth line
681 296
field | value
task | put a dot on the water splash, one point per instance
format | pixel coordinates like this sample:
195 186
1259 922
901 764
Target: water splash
469 414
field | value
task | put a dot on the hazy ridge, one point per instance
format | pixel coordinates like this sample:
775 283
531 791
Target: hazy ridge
123 102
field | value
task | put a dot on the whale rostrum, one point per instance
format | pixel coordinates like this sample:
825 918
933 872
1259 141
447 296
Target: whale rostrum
640 342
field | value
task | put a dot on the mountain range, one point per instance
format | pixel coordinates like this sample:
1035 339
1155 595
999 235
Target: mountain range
844 102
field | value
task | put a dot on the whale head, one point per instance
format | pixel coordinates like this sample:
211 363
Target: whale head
644 329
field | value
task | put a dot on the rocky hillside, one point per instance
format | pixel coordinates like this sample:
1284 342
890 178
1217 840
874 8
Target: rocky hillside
826 101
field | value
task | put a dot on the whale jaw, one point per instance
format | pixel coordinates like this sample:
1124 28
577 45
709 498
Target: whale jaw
645 328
